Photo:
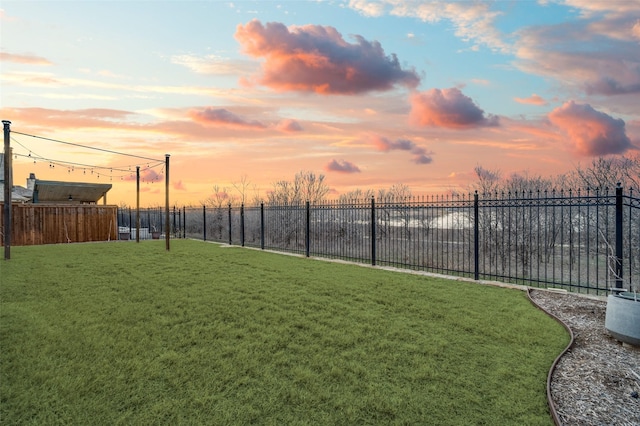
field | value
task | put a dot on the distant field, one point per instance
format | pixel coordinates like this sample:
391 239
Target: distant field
126 333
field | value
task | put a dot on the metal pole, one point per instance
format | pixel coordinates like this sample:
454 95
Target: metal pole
476 235
229 223
242 224
167 225
262 226
137 204
373 231
307 232
204 223
619 218
7 189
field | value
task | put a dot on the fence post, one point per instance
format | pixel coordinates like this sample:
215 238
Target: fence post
476 235
242 224
262 226
307 232
174 220
229 223
373 231
204 223
619 221
184 222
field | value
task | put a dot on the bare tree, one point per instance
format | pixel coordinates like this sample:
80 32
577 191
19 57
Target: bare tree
606 172
488 180
356 194
220 197
306 186
242 187
397 192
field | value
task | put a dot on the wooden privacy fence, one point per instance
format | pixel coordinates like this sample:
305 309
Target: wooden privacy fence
34 224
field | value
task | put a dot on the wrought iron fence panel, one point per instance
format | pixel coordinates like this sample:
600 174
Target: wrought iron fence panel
547 238
284 228
252 225
585 240
631 219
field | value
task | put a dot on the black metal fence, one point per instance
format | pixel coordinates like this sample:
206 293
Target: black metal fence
586 241
152 222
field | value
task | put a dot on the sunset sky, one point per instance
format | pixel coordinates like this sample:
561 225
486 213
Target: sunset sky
368 93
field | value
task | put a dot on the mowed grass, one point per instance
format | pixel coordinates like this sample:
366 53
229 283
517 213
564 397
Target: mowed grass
126 333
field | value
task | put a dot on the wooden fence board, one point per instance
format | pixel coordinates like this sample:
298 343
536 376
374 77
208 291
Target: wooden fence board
34 224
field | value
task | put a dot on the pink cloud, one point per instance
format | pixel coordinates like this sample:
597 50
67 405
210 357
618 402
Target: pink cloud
289 126
179 186
341 166
314 58
146 175
592 132
24 59
420 155
448 108
222 117
531 100
150 175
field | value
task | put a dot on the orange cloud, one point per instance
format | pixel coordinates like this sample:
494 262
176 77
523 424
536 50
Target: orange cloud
93 117
222 117
448 108
592 132
24 59
314 58
531 100
341 166
289 126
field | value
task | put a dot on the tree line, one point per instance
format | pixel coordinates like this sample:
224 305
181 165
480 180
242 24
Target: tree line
602 173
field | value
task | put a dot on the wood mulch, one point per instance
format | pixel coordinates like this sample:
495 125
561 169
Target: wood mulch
597 381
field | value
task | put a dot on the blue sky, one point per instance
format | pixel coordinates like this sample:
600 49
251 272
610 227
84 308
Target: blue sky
369 93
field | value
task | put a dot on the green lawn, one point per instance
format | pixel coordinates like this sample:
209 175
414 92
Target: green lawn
126 333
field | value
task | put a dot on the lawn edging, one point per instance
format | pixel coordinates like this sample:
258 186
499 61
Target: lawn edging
552 406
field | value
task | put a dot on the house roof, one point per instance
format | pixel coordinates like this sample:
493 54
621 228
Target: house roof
17 195
77 192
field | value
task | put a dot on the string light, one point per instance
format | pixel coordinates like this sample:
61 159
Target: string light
71 166
86 146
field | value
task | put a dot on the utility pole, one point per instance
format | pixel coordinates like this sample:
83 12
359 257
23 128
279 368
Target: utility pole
167 225
138 205
8 186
